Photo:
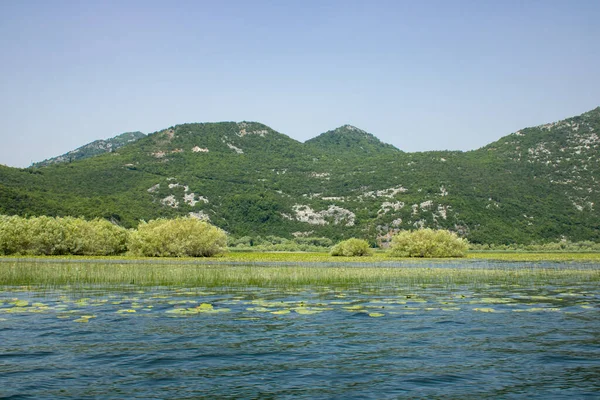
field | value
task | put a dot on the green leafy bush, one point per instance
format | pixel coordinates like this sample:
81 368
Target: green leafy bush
13 235
58 236
351 248
428 243
180 237
98 237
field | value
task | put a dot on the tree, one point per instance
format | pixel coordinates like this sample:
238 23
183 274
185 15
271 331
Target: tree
180 237
428 243
351 248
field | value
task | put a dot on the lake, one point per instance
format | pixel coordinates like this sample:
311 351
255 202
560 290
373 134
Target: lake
320 342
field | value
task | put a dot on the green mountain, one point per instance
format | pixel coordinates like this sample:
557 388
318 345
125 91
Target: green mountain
349 139
538 184
94 148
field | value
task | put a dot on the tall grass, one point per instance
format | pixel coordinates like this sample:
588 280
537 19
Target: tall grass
17 273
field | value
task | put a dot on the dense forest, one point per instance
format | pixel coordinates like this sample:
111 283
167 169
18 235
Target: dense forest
536 185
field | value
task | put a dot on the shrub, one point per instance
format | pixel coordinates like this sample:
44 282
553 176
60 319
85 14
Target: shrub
351 248
178 237
13 235
98 237
428 243
58 236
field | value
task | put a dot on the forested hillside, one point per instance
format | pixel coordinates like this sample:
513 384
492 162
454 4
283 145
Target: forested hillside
538 184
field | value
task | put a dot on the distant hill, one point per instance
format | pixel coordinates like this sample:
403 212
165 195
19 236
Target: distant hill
538 184
350 139
94 148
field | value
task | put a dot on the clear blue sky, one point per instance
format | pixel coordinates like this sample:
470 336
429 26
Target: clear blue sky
421 75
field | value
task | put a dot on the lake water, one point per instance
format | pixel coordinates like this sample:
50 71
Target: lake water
310 342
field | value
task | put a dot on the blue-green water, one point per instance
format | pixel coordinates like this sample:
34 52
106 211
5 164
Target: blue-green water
312 342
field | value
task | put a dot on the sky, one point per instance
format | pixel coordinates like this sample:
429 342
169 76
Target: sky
421 75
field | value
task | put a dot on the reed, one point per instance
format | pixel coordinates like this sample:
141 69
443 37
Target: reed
378 258
32 273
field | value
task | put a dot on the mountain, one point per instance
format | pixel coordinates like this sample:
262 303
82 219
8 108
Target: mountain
537 184
350 139
94 148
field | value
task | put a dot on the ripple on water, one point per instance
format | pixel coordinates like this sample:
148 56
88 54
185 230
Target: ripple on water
421 343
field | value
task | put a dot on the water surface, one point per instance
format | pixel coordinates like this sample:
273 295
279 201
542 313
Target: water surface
366 341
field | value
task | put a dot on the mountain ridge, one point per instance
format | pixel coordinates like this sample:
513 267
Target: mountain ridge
536 184
92 149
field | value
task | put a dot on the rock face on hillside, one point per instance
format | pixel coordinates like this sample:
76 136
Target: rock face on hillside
92 149
537 184
564 153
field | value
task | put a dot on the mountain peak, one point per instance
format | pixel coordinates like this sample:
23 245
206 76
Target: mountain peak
349 127
347 139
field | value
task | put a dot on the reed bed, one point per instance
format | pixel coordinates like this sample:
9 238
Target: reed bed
38 273
378 258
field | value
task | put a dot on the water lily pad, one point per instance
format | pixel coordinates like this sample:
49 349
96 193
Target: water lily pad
376 315
208 308
492 300
16 310
125 311
484 309
354 308
84 318
280 312
538 309
306 311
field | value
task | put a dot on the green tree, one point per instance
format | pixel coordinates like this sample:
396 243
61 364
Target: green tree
428 243
351 248
180 237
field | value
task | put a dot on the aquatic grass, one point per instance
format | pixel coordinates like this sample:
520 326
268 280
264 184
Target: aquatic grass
34 273
535 256
378 257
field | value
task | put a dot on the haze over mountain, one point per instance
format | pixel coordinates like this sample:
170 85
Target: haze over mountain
94 148
537 184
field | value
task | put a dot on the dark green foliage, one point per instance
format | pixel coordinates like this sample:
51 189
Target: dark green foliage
275 243
350 140
537 185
